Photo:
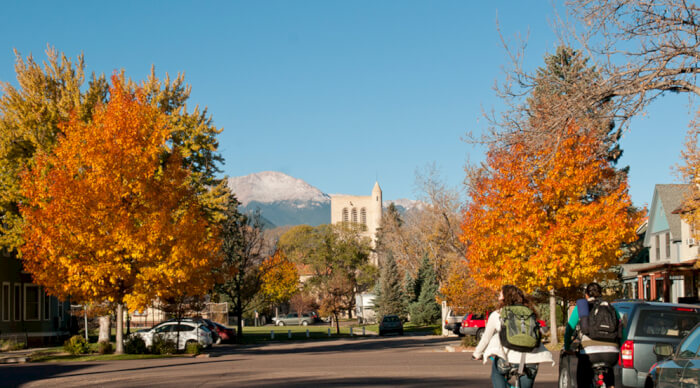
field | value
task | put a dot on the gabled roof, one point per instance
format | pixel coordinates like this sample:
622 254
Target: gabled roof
667 198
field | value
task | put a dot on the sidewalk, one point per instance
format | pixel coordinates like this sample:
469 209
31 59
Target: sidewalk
18 356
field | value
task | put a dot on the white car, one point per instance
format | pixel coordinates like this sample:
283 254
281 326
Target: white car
189 332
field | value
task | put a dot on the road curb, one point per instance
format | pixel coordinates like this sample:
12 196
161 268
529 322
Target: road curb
13 360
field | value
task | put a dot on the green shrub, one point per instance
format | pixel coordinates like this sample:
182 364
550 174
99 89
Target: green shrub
76 345
135 345
193 347
543 310
10 345
105 347
162 345
469 341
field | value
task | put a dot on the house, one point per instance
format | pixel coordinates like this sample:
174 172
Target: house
27 314
670 274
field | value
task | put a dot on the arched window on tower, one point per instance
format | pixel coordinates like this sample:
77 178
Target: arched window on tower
354 215
345 215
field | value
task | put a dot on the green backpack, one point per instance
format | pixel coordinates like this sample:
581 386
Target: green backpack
520 330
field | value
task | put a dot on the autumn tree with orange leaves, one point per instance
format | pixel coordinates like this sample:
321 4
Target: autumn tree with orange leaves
112 215
534 222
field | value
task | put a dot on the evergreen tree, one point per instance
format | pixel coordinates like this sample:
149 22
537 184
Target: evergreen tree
425 310
390 296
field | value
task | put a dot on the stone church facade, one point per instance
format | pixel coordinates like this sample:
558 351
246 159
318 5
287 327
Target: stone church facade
362 210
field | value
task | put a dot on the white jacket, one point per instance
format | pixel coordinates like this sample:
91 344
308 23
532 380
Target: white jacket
490 345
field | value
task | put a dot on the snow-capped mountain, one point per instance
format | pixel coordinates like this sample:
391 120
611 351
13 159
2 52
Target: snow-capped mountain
282 199
403 204
273 186
285 200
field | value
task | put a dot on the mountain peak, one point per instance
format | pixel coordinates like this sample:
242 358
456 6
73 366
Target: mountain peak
274 186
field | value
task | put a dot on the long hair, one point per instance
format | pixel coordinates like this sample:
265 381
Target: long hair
512 295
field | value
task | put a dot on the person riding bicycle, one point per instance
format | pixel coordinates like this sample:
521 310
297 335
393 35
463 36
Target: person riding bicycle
507 361
593 334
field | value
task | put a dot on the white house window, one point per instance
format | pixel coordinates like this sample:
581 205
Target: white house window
345 215
18 303
6 302
363 216
657 248
354 215
668 245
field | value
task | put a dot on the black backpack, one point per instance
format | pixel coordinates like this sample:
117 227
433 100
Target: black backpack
603 324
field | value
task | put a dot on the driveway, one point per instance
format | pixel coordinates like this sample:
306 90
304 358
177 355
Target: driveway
372 362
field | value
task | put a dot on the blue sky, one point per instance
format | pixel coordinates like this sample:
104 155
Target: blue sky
335 93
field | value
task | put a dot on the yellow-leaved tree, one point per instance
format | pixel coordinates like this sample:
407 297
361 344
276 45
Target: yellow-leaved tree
111 214
279 278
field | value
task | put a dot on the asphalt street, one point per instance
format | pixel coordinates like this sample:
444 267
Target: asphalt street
369 362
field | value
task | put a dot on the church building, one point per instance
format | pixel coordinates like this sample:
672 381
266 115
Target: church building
363 210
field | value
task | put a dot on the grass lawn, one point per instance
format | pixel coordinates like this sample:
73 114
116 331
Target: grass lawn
262 334
57 353
409 327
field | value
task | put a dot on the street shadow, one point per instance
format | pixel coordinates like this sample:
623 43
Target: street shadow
332 345
376 382
17 374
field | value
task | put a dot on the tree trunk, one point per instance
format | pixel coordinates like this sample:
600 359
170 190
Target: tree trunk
238 311
105 329
120 329
337 323
553 338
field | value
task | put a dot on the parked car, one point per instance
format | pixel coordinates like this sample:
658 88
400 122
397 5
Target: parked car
188 332
294 319
452 321
391 324
226 334
474 324
681 368
211 325
647 325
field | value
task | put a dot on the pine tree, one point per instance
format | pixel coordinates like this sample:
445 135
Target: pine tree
390 296
425 310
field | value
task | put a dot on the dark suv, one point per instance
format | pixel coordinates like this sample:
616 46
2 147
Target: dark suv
646 324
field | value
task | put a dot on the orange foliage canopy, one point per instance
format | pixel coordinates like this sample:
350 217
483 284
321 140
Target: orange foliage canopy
108 219
464 294
549 218
280 278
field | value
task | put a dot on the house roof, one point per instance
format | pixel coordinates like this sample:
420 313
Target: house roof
671 197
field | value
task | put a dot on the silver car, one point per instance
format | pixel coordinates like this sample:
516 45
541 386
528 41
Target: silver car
188 332
646 326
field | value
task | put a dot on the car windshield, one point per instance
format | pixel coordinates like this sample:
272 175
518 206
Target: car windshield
391 319
655 323
204 328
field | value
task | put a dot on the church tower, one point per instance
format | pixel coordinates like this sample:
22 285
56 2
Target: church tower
363 210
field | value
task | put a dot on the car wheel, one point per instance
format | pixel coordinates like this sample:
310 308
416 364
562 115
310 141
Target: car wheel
381 333
304 323
564 378
401 332
280 323
649 383
479 334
